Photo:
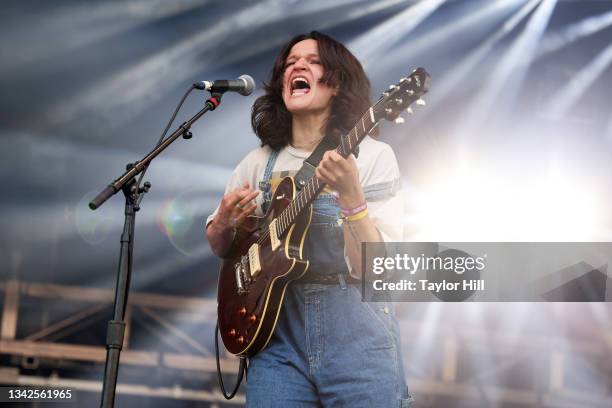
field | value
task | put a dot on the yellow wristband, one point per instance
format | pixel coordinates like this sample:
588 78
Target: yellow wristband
356 217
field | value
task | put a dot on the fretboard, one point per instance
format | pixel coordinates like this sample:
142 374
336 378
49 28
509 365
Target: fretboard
313 187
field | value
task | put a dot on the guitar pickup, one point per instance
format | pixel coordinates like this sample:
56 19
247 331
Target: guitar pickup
275 242
254 263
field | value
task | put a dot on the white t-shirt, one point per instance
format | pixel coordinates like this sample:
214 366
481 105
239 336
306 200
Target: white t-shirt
378 174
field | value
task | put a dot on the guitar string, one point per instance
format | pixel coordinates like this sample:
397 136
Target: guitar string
300 195
341 150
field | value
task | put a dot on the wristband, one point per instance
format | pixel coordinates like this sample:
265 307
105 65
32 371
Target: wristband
356 217
347 212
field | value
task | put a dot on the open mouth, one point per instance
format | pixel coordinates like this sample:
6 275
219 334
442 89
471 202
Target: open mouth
300 86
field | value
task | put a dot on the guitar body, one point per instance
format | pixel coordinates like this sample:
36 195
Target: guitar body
248 315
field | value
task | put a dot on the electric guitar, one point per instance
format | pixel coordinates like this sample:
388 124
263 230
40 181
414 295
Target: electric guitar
267 251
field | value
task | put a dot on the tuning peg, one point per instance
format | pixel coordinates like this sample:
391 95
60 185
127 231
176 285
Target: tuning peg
399 120
393 87
409 91
399 101
421 102
409 110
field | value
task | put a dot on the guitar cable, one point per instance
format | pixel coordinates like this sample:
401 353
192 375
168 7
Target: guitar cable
243 369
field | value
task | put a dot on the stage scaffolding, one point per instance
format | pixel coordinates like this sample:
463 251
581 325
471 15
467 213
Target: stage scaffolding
530 370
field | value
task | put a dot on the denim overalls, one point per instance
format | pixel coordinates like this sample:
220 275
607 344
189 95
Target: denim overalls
329 348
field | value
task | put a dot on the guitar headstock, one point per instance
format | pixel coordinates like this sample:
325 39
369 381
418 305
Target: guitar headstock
402 95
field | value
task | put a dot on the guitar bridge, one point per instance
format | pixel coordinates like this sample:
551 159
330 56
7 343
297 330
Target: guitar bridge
275 242
243 276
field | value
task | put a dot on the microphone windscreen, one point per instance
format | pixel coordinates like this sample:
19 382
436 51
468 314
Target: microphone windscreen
250 84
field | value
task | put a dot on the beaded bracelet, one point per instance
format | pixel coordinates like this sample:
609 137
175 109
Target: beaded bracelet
347 212
356 217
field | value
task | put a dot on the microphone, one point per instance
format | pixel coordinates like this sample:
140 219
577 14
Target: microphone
244 85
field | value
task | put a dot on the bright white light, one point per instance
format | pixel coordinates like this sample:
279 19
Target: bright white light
476 200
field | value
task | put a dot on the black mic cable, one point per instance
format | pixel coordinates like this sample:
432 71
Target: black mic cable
161 138
244 85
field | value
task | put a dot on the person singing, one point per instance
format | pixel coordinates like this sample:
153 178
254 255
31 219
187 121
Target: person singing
329 348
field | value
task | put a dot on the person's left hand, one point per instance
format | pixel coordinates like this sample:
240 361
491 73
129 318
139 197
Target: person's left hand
341 175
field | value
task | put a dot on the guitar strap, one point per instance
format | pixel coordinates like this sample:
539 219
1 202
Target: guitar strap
307 171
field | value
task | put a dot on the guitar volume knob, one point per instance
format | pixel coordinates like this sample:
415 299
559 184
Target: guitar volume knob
252 318
232 333
242 311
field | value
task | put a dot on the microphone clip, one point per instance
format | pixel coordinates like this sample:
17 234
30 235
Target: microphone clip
214 100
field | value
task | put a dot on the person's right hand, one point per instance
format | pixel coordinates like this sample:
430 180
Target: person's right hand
236 206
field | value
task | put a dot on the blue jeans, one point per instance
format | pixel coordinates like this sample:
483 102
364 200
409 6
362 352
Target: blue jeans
330 349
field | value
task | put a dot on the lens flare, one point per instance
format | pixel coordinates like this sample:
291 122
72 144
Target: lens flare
182 221
175 218
92 226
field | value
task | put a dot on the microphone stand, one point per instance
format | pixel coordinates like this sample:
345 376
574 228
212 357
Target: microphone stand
133 195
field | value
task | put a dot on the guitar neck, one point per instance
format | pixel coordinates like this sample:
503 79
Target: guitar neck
313 187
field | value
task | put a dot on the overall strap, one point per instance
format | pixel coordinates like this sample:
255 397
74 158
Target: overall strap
270 165
265 184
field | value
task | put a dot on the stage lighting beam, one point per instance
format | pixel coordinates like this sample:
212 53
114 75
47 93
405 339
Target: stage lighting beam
450 81
377 41
128 92
447 33
574 32
508 75
568 96
84 24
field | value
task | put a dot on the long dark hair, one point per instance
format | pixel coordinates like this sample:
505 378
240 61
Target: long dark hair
270 118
